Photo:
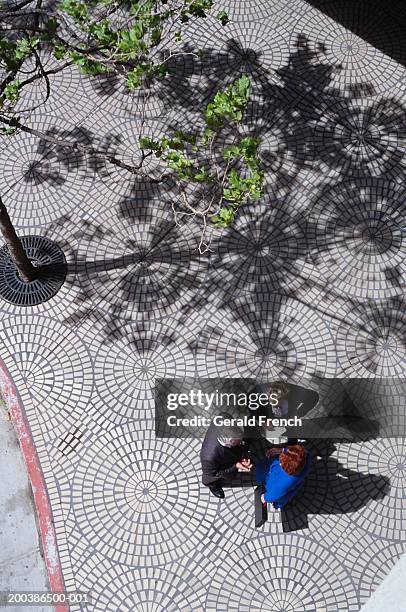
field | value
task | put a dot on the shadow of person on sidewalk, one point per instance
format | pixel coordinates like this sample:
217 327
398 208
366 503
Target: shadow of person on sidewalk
330 489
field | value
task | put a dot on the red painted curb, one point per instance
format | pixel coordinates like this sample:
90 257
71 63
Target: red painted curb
42 504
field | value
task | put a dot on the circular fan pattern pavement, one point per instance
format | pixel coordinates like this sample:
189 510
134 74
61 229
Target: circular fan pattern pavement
359 246
369 559
51 180
250 10
362 137
141 499
357 68
377 561
374 494
163 591
380 400
128 363
262 249
143 269
137 500
68 97
258 50
113 94
373 341
54 367
281 574
262 338
119 137
287 149
178 586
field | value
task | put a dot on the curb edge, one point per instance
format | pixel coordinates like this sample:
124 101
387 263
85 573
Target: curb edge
35 474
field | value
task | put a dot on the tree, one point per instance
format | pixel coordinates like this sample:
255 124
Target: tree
24 266
134 40
128 38
228 175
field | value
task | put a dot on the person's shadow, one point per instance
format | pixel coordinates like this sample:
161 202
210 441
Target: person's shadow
331 488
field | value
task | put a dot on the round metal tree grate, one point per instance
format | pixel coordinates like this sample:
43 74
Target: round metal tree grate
44 254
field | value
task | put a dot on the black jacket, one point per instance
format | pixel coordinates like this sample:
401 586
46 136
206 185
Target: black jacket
218 461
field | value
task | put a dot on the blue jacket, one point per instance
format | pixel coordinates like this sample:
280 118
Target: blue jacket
280 487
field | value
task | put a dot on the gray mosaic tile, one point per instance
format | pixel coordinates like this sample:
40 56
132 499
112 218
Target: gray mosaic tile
355 66
362 137
53 365
68 96
287 563
52 180
266 245
264 338
133 500
178 586
372 343
383 464
130 360
261 10
309 282
356 237
148 270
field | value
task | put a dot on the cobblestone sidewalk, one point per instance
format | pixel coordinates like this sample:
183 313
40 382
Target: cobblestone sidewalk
309 282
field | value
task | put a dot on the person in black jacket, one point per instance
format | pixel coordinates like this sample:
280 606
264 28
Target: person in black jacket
223 455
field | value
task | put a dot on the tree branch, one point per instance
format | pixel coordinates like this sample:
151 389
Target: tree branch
88 150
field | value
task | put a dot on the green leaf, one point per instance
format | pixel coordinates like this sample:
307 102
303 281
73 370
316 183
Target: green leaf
161 70
249 147
77 10
229 104
102 33
184 151
225 217
12 92
131 42
145 142
222 16
7 54
207 135
25 47
234 179
88 66
133 80
243 86
7 131
201 175
52 26
181 135
199 8
231 152
156 36
60 52
135 77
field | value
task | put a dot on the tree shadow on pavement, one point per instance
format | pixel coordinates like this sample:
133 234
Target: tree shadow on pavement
380 23
277 251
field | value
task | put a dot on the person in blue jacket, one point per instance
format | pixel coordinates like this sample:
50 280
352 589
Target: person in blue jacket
282 474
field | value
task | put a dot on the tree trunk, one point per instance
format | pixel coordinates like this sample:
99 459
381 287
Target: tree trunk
26 270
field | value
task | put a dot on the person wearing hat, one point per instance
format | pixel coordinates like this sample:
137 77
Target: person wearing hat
223 455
